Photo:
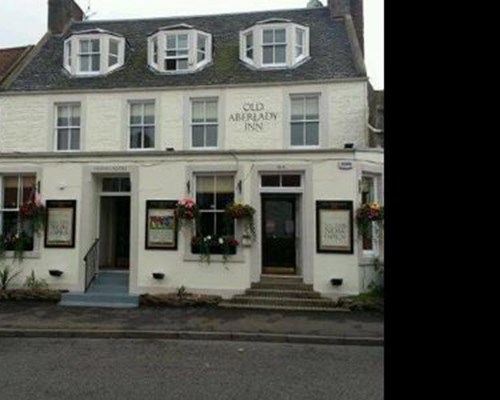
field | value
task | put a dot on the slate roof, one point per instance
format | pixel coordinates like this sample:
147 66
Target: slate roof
9 57
331 55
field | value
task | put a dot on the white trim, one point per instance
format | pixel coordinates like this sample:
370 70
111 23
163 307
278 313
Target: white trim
291 60
192 50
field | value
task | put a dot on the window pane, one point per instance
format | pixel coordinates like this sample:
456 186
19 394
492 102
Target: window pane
170 65
113 47
112 60
268 36
28 186
198 111
290 180
202 42
280 36
136 114
200 56
225 225
149 113
205 192
84 46
85 63
249 38
10 187
10 225
75 139
211 136
182 41
224 184
149 137
268 55
297 134
125 185
300 37
62 116
75 116
96 45
280 54
250 54
312 134
223 200
312 108
182 64
207 224
297 109
96 63
135 138
198 136
62 139
171 42
367 190
211 111
270 181
110 185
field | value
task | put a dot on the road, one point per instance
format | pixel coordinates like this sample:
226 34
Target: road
51 369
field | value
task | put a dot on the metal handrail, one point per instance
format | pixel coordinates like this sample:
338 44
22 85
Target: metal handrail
91 260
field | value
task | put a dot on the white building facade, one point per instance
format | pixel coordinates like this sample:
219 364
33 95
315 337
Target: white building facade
213 114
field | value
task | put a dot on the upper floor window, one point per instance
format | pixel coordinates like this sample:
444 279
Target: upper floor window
93 52
14 191
204 123
67 129
274 43
179 49
304 124
142 125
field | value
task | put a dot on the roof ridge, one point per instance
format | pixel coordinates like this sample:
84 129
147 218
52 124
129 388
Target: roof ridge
197 16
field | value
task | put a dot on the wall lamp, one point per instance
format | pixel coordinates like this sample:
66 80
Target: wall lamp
239 186
188 186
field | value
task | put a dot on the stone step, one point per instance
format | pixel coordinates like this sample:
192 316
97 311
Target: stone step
280 301
281 285
228 304
88 299
282 293
107 288
281 278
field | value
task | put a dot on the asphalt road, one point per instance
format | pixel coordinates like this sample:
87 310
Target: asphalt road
95 369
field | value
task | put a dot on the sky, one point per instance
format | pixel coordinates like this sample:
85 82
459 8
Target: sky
24 22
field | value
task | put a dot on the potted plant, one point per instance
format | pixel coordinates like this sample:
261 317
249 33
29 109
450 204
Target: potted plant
208 245
368 214
243 212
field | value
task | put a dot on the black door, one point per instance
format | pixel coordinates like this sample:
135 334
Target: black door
122 244
278 233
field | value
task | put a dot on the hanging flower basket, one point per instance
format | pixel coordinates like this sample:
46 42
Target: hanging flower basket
186 212
368 214
243 212
34 211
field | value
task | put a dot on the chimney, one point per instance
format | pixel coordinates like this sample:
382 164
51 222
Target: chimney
61 13
339 8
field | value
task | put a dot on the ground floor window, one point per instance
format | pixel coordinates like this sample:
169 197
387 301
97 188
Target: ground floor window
14 191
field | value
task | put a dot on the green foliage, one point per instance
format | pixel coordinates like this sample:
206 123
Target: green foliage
32 282
7 274
181 292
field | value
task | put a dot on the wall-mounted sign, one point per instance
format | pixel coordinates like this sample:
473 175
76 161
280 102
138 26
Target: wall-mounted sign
345 165
334 222
253 116
60 226
160 225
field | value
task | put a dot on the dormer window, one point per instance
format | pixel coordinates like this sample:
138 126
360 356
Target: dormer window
93 52
179 49
274 43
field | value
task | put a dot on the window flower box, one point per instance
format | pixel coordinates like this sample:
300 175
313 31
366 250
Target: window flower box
208 245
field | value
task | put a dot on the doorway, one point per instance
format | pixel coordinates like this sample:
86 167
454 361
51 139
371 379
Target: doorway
278 234
114 230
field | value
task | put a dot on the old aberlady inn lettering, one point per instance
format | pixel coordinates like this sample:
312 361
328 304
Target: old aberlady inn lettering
253 116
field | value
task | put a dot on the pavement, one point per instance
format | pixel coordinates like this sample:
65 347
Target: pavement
203 323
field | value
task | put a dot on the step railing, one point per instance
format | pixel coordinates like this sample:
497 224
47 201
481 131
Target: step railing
91 260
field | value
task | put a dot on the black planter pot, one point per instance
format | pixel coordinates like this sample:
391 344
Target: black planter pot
336 281
55 272
214 249
158 275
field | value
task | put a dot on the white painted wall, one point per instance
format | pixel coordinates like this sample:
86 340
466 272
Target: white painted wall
27 121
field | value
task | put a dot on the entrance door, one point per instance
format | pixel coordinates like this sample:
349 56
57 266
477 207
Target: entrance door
278 234
115 232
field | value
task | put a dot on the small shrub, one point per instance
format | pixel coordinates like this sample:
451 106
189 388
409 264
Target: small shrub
33 283
7 274
181 292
